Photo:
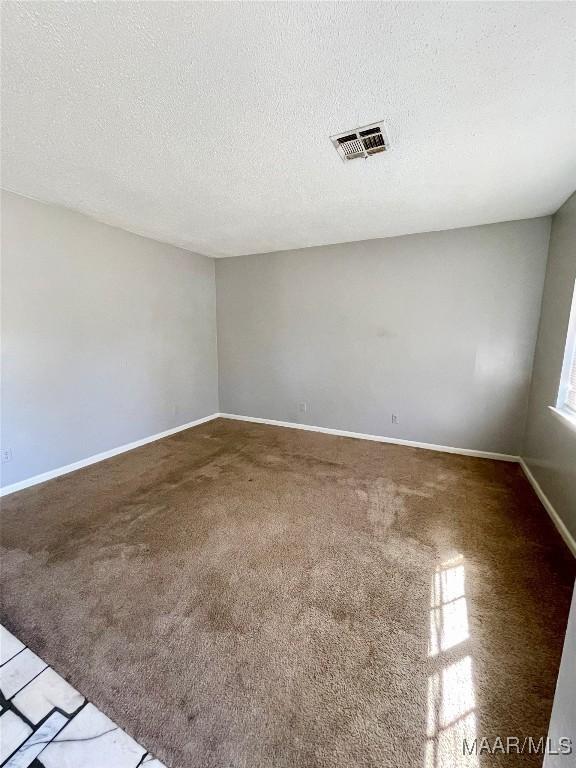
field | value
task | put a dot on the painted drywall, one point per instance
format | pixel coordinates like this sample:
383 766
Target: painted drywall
209 123
438 329
107 337
562 730
550 444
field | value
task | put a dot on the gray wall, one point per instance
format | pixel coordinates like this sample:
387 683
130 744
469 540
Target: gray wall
438 328
107 337
563 718
550 444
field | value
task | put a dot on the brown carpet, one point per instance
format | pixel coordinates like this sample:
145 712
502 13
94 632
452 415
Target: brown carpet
248 596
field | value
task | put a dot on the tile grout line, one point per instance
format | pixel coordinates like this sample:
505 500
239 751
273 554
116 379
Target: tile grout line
70 717
13 657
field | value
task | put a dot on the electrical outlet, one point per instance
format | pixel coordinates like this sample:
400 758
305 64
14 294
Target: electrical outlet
6 455
395 419
303 407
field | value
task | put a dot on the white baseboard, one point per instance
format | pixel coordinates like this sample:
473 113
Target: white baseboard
42 478
19 486
376 438
547 504
556 519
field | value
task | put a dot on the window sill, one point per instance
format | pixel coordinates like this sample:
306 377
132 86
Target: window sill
566 417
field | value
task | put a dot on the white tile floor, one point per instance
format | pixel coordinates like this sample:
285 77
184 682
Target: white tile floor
45 723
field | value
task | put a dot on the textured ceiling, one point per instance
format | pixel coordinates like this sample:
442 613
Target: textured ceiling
207 124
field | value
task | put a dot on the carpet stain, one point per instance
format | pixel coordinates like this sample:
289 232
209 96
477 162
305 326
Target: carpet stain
246 596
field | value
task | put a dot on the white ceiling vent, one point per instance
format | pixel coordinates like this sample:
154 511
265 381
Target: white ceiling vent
361 142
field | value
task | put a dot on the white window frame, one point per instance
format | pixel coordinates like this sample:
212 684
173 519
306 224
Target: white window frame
562 408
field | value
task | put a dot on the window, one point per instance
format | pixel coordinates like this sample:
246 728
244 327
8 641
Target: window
567 392
570 400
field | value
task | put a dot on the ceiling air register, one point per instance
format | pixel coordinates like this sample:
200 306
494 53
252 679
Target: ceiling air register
361 142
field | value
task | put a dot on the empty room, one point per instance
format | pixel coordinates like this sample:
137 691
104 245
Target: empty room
288 360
